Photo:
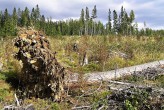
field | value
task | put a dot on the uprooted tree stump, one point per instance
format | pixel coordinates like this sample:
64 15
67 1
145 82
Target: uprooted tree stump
41 76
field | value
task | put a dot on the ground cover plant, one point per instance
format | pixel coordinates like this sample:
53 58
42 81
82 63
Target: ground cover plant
103 53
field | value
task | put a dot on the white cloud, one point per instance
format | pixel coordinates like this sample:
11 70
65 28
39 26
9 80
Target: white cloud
140 25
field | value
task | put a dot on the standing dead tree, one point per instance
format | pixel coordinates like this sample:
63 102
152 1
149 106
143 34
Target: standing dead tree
42 76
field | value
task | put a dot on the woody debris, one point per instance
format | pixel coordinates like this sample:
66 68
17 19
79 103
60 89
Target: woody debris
41 76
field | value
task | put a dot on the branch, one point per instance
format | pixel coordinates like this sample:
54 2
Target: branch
80 107
101 107
17 101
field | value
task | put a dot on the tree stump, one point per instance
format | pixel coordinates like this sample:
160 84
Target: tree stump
42 76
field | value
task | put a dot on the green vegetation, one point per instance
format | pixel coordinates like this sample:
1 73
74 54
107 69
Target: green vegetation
103 52
87 24
107 52
6 92
160 81
106 47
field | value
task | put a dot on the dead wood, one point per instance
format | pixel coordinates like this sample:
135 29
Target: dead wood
42 76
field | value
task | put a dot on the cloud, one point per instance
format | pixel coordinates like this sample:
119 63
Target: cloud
150 11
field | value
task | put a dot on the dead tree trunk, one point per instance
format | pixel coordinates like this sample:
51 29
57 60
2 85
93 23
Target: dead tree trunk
42 76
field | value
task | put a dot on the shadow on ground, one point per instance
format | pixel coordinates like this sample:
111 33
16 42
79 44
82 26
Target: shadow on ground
11 78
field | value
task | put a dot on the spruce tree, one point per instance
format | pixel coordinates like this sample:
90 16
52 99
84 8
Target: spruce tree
42 23
37 17
86 20
25 18
7 23
19 14
14 21
81 22
115 20
33 18
109 26
122 21
131 19
94 16
15 17
1 18
37 12
126 24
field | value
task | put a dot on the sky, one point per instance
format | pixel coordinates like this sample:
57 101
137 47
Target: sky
149 11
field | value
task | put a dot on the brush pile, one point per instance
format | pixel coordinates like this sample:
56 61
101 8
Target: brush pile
42 76
149 73
145 98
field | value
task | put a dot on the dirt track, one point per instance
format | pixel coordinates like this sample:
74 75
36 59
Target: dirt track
105 76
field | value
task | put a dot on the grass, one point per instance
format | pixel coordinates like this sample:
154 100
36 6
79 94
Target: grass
157 82
6 92
107 52
104 53
160 81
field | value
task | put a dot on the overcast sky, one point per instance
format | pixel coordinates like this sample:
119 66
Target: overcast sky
150 11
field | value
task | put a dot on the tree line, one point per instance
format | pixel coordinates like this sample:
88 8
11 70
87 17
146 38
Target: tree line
121 23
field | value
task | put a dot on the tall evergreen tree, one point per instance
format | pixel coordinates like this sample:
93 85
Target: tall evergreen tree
109 26
115 20
37 17
94 12
33 17
122 21
131 19
6 15
126 24
132 16
94 16
14 21
86 20
42 23
19 14
6 21
37 12
15 17
81 22
1 18
25 18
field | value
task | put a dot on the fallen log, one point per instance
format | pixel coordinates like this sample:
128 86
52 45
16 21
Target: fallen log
118 82
12 107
